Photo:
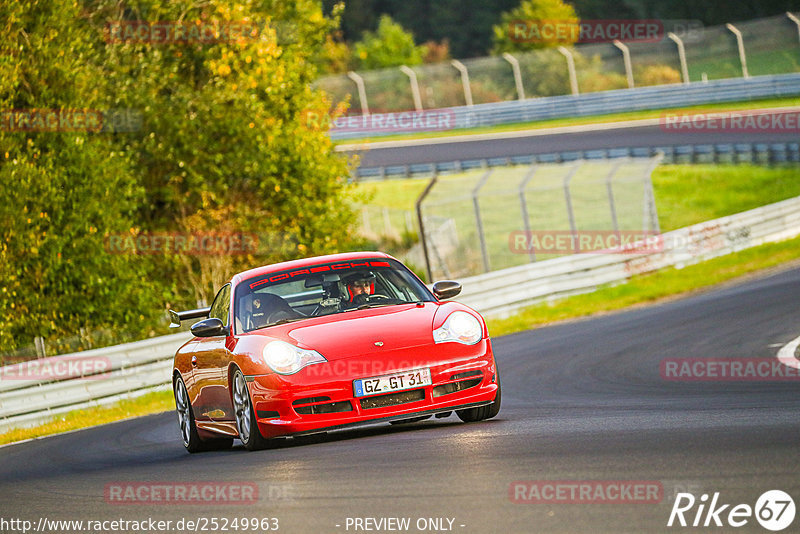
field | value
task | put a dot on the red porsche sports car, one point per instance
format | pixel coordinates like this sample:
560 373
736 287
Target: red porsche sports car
324 343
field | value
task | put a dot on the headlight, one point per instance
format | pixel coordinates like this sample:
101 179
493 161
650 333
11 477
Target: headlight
286 359
460 326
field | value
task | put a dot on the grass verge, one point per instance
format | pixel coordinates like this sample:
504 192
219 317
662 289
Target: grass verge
149 403
578 121
690 194
652 287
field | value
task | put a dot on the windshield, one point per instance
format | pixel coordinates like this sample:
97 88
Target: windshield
324 289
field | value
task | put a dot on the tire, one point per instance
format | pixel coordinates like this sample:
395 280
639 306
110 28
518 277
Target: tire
245 416
191 440
480 413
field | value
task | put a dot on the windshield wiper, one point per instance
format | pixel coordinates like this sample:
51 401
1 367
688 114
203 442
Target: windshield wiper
375 305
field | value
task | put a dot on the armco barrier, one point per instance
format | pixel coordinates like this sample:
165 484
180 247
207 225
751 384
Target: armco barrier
135 368
145 365
604 102
759 153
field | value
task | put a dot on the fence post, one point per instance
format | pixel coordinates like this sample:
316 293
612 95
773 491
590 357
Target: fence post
681 56
570 213
610 191
478 221
365 220
573 76
422 238
517 75
38 342
740 46
796 21
412 77
409 221
626 58
464 80
650 197
524 205
362 91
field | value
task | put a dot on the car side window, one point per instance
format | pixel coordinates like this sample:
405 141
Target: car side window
221 305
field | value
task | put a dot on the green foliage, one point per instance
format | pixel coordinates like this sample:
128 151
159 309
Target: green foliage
467 24
223 147
656 75
336 57
533 14
64 191
389 46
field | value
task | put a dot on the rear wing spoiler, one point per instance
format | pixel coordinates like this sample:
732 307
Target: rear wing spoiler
177 316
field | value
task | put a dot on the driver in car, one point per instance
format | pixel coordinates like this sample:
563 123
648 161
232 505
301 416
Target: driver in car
359 287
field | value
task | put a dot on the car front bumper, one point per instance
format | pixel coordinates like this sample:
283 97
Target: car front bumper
321 396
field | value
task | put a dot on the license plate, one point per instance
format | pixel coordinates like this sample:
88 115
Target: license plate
394 382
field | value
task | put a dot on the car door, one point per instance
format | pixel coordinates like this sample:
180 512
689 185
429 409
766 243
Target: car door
210 370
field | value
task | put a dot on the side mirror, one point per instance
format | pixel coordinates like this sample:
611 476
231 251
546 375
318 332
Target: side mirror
446 289
209 328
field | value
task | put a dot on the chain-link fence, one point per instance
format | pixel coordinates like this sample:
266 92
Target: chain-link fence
769 46
380 223
494 218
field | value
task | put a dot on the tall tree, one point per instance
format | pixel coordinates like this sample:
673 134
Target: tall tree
65 185
224 143
389 46
524 27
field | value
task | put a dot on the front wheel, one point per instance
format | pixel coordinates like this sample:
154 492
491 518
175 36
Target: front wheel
481 412
245 416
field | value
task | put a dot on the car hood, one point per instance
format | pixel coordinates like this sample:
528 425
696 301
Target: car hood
360 332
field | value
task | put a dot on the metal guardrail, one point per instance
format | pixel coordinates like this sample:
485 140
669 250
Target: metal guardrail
762 153
604 102
129 370
500 293
144 366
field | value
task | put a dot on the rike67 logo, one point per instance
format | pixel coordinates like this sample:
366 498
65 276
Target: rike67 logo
774 510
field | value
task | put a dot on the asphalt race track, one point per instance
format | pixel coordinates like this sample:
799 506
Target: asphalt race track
621 137
581 401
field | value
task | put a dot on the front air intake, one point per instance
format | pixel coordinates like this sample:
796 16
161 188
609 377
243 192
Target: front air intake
328 407
446 389
393 399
